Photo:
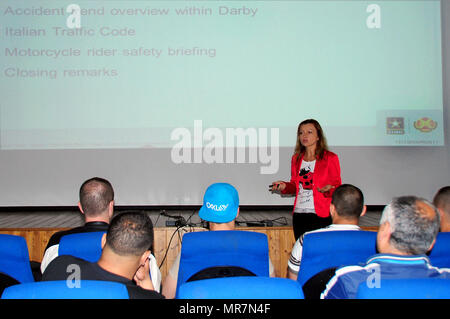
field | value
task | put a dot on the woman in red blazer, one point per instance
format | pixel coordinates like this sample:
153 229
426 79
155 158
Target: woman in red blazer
315 174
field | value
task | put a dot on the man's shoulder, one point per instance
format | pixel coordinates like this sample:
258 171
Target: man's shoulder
66 259
88 227
299 242
56 237
345 282
334 227
59 268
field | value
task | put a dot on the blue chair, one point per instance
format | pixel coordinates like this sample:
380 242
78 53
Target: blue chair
424 288
202 250
241 288
87 246
14 258
322 250
61 289
440 254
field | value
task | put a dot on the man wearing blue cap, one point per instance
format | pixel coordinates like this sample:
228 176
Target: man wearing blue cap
220 208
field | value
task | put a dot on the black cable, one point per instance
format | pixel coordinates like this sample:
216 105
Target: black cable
171 216
264 222
189 218
177 230
168 247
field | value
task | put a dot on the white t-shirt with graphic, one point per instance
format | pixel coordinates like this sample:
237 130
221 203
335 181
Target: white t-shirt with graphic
305 200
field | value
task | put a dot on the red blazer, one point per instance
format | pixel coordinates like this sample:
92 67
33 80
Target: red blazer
326 171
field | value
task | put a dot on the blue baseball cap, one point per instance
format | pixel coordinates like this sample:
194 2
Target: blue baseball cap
220 203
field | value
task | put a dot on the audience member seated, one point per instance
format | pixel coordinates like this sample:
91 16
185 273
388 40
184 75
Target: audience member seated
347 205
442 202
96 204
218 220
124 258
408 229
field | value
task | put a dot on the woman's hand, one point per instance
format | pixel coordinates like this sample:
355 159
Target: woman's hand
278 186
325 189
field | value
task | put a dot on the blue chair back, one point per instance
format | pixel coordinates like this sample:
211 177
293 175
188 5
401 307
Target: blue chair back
440 254
87 246
241 288
245 249
322 250
14 258
424 288
60 289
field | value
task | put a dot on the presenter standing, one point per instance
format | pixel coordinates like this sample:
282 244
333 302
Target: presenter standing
315 174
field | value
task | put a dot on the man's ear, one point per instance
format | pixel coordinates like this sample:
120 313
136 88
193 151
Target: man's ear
111 209
144 257
237 215
441 213
103 240
332 210
384 234
80 208
432 245
363 211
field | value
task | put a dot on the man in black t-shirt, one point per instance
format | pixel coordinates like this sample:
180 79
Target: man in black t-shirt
124 259
96 204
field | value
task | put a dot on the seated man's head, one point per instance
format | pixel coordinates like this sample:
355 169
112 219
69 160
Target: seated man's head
96 199
408 226
347 204
129 235
220 206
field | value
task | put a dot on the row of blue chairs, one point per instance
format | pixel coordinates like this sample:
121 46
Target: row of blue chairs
219 288
321 251
15 260
248 250
228 288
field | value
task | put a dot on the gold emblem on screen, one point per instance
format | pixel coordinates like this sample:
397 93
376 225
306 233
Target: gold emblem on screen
425 124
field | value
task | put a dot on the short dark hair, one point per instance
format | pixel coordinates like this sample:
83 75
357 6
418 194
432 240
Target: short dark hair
442 199
95 195
130 233
348 200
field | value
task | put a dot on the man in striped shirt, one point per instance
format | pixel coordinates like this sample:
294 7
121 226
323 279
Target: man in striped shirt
408 229
347 206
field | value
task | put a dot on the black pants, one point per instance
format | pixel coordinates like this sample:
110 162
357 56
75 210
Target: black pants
304 222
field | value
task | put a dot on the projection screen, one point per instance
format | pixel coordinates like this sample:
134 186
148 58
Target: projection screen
164 98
